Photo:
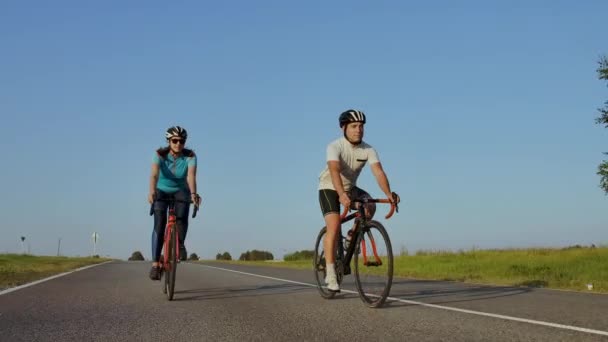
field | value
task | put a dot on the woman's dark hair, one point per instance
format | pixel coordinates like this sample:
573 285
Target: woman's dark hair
164 151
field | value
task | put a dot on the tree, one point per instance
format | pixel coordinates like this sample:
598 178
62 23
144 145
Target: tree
299 255
193 257
224 256
602 169
256 255
136 256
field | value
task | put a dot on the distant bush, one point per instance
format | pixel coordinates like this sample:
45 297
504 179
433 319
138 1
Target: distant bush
193 257
225 256
581 247
299 255
255 255
137 256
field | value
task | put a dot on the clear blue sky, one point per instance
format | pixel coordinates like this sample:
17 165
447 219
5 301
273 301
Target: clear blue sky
482 114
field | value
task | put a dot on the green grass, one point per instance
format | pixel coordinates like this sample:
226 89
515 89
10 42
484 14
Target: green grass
16 269
568 268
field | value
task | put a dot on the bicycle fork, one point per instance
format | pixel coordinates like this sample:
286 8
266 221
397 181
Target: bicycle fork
366 262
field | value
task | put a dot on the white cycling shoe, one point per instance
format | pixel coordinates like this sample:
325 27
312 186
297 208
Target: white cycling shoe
332 283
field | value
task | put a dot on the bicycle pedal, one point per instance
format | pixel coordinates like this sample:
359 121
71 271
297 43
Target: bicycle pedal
373 263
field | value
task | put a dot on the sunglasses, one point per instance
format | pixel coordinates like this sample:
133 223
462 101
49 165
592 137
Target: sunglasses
178 141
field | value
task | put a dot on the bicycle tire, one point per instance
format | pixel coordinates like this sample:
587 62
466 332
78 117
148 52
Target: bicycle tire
172 263
163 269
163 275
318 264
375 300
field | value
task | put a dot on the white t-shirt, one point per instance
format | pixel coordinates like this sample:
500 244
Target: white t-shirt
352 159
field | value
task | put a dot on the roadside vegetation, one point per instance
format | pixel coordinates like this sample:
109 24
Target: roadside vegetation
18 269
582 268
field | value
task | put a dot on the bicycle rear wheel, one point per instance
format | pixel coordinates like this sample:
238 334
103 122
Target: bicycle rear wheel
172 250
373 264
163 271
319 266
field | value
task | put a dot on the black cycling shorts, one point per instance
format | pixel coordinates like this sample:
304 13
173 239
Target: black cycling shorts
330 202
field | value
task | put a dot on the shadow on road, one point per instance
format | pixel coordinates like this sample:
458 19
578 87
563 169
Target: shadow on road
239 291
436 292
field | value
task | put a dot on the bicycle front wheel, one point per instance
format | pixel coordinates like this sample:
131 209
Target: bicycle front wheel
373 264
172 262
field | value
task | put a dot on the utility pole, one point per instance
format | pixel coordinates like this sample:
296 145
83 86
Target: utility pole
59 247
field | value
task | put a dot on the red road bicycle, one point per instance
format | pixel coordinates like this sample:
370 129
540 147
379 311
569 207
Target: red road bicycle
170 256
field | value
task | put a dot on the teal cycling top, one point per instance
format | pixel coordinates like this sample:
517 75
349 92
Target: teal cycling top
174 171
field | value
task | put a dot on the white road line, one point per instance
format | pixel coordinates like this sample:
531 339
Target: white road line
479 313
9 290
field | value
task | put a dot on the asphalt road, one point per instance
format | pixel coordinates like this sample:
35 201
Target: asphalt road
218 302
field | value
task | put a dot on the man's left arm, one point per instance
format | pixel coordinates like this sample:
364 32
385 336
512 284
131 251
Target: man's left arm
381 178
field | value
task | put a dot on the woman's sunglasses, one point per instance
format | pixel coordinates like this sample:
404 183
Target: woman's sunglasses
177 141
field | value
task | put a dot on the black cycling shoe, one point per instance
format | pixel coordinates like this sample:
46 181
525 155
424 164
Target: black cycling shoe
155 273
183 254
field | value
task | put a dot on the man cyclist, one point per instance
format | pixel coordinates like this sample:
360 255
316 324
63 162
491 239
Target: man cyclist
346 157
173 177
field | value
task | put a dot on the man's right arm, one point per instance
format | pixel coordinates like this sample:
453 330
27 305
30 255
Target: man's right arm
336 180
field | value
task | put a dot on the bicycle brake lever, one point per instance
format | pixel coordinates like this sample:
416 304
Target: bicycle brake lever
396 200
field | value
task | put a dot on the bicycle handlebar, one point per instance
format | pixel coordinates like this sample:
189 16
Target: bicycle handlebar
173 200
394 206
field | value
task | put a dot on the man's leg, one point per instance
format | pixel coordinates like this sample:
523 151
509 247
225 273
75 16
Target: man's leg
370 208
330 207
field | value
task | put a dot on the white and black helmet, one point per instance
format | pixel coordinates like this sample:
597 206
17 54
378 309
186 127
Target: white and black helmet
351 115
176 132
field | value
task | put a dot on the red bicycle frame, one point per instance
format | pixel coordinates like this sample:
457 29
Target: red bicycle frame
171 224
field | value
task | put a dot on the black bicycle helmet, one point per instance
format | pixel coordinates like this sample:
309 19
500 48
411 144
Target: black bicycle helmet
351 115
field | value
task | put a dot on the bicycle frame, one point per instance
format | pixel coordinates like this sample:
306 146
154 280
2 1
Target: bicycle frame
361 221
171 224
